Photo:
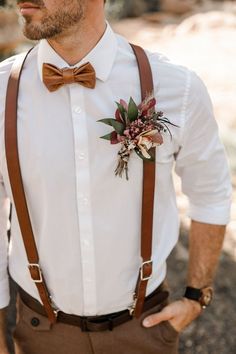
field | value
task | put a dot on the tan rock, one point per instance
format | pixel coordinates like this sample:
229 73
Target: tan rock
178 7
10 31
205 21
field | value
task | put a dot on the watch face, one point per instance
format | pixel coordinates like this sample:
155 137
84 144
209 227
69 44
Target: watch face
206 297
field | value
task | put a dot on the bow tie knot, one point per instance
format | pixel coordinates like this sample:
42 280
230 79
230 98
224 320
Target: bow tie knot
54 78
68 76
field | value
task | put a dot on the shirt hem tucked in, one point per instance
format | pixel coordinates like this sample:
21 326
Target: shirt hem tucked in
4 293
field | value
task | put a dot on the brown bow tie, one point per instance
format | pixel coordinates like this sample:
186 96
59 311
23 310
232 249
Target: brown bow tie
54 77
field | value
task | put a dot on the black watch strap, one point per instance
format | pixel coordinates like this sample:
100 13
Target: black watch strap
193 293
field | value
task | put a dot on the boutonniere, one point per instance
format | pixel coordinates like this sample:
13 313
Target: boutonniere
136 128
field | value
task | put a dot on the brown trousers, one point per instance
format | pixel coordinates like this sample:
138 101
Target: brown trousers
34 335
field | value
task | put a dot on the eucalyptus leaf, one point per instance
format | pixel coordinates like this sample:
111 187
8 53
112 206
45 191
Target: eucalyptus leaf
106 137
107 121
132 110
118 126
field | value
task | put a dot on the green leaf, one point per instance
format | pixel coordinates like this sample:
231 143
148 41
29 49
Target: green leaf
107 121
118 126
132 110
106 137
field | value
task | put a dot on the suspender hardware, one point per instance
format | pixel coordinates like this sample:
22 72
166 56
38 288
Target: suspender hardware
17 187
149 180
56 311
133 306
35 272
146 271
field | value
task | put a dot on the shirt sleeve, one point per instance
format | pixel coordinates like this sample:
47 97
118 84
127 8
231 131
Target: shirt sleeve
201 162
4 215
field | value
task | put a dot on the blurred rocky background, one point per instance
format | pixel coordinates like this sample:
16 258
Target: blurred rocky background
199 34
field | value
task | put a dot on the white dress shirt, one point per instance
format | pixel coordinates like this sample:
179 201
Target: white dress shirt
86 221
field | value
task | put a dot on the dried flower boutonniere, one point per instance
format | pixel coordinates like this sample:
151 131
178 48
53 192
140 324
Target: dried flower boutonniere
136 128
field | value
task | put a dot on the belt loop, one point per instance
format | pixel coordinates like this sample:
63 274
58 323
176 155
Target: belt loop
84 327
110 325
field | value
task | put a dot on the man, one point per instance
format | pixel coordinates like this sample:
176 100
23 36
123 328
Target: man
86 220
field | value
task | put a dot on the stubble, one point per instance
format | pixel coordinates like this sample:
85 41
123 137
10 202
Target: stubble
52 24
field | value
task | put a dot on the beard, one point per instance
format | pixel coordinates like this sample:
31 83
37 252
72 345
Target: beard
53 23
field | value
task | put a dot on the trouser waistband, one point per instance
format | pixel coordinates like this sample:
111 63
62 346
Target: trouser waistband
97 323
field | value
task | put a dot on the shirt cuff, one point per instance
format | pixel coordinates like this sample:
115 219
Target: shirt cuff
4 293
216 215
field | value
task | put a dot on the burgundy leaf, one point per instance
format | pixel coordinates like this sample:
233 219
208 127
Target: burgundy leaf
114 139
147 106
157 138
118 116
151 103
124 104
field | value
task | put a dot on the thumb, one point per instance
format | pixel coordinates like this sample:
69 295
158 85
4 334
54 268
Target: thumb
156 318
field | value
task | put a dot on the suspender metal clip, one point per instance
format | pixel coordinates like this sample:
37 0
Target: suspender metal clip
146 270
35 272
133 306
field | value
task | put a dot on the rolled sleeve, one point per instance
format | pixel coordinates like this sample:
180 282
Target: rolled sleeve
201 162
4 214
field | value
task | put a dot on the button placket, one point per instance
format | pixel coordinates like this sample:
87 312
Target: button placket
83 200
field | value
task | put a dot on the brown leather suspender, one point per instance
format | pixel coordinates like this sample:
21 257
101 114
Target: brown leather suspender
13 164
145 273
15 177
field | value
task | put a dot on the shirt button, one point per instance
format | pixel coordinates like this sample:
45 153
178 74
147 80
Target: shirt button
35 322
77 109
85 201
82 156
86 243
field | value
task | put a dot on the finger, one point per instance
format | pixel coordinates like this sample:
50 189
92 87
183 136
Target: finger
156 318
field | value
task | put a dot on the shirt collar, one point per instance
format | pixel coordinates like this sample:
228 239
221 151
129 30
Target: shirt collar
102 56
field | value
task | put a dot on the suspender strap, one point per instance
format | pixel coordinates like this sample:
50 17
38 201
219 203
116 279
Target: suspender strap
16 182
145 271
15 177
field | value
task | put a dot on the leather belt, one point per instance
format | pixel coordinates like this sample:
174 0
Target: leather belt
98 323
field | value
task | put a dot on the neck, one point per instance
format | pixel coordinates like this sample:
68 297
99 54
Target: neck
76 43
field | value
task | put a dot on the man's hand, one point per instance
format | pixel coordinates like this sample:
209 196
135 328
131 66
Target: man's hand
4 351
179 314
3 344
205 246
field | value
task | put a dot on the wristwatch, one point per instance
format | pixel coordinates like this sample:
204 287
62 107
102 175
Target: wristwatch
204 296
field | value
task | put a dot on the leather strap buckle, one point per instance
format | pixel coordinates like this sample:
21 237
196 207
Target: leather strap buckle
146 270
35 272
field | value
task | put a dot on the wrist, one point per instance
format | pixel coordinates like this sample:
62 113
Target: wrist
202 296
195 305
